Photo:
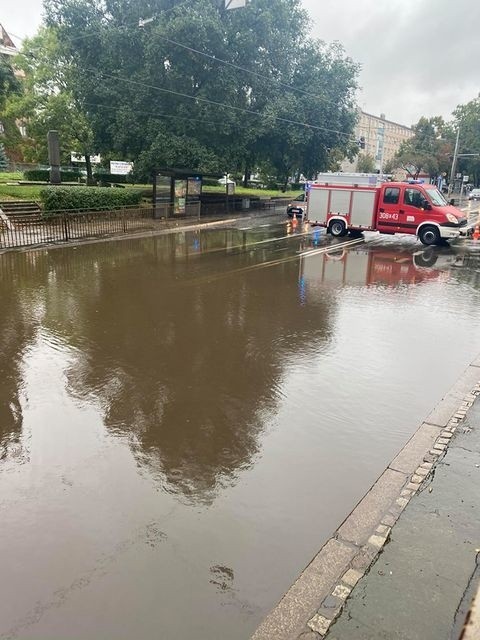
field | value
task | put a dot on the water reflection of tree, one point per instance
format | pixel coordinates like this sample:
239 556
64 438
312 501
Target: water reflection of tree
187 366
16 332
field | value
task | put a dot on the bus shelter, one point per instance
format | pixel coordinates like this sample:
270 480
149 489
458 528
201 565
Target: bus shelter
178 192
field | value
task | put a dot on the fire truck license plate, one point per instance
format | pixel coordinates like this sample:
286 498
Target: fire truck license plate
384 215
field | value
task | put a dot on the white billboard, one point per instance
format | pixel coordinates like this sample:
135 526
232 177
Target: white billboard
77 157
235 4
120 168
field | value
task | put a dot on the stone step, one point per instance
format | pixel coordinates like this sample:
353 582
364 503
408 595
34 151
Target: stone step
14 208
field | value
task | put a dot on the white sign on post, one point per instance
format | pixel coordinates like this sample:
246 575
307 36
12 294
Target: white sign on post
119 168
77 157
235 4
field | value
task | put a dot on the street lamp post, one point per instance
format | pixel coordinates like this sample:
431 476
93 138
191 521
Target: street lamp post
454 163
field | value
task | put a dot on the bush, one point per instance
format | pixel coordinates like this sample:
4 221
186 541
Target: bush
87 198
43 175
110 178
297 186
210 182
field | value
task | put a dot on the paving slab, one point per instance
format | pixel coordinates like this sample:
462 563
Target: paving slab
465 383
299 604
448 406
359 525
412 454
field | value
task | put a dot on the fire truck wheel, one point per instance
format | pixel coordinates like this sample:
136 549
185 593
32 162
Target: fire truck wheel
429 235
427 258
338 229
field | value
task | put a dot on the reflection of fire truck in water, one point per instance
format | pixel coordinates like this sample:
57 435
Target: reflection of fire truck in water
377 265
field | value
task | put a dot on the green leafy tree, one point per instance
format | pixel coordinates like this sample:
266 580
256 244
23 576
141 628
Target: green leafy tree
8 82
9 86
3 158
429 150
152 97
48 102
365 163
390 166
467 117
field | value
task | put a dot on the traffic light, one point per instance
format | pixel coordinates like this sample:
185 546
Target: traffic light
361 142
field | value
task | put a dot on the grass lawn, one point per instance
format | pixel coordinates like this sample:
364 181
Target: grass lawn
239 191
20 192
259 193
6 176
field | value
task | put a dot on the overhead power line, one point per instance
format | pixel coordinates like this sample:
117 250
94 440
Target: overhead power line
215 102
155 114
245 70
144 21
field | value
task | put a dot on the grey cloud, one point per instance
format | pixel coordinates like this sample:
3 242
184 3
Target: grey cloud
418 57
22 18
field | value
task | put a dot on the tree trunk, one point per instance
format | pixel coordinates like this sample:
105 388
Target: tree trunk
246 177
88 165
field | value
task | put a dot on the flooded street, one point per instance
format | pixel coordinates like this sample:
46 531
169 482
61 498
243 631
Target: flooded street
186 418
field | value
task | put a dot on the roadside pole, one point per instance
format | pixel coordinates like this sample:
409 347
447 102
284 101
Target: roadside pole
454 164
226 192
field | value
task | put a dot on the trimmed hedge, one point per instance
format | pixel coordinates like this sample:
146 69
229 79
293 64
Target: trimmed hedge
87 198
43 175
110 177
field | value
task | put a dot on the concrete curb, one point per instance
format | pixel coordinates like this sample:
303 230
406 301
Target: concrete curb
471 630
317 597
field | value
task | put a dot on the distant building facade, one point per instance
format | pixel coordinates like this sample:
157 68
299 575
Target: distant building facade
7 46
382 139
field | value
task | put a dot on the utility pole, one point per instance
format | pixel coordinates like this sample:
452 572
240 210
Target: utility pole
454 163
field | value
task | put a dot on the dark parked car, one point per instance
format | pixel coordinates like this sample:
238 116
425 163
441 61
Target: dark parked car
298 207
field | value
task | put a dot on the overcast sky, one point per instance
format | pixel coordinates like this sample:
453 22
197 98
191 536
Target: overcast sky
418 57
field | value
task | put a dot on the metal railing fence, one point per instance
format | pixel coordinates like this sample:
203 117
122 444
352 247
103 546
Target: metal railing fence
68 226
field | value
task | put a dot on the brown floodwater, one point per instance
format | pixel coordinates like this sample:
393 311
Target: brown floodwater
185 419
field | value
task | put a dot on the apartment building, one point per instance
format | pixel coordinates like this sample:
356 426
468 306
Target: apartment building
382 139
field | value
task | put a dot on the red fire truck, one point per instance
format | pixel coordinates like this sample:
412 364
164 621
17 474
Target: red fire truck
392 207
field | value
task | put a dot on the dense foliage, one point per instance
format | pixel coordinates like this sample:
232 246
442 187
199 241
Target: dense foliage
467 117
3 158
103 177
86 198
429 150
8 82
43 175
48 101
158 94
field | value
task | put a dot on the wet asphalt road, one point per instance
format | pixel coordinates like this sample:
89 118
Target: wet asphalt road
185 419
